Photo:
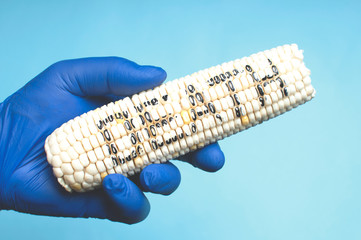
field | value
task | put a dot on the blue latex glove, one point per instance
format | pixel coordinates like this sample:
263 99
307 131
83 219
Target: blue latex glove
60 93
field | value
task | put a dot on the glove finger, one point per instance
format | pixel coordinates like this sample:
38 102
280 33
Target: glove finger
107 76
160 178
120 199
209 158
129 203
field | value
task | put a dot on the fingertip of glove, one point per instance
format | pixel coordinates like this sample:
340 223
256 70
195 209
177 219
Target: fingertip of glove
217 162
129 205
156 74
212 161
163 179
149 178
113 181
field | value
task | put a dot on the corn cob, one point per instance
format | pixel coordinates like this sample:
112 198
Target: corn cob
179 116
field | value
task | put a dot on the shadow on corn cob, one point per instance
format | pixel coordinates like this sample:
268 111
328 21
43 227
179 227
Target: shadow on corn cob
179 116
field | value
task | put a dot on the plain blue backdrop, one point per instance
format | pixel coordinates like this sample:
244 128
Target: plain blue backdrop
295 177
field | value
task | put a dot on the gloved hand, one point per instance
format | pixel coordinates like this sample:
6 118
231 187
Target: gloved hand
63 91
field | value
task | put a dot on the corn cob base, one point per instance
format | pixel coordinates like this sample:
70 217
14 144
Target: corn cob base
179 116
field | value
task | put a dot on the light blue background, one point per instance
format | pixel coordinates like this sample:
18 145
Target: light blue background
295 177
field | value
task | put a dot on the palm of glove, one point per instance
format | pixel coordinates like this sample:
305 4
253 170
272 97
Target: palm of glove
63 91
